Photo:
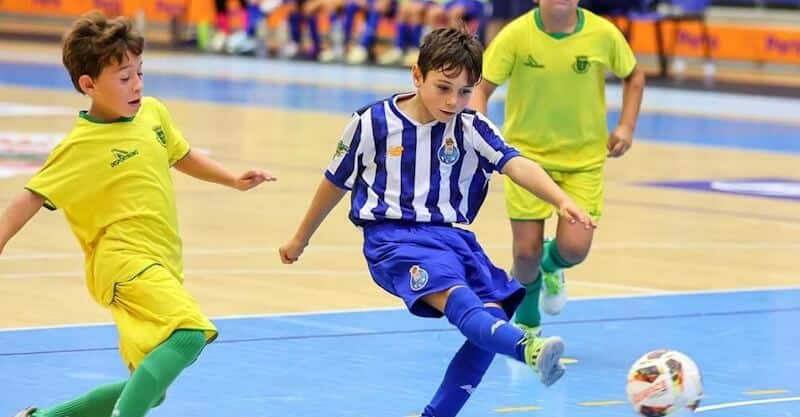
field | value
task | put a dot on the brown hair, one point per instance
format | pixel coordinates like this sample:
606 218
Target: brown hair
94 42
451 50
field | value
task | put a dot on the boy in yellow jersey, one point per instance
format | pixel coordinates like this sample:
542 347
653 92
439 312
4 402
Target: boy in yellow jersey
555 59
111 177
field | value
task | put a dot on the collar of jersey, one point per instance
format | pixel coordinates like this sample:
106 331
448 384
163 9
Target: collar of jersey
399 113
558 35
83 114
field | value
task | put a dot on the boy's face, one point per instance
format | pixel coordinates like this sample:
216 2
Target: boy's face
117 91
442 95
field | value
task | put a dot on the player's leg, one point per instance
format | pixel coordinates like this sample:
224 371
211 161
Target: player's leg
295 23
157 350
572 242
466 311
311 12
527 252
149 382
527 214
463 375
97 402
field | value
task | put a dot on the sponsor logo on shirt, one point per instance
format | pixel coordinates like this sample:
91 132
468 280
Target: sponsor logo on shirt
121 156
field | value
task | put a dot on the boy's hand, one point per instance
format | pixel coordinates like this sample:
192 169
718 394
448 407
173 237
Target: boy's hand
570 211
619 141
253 178
291 251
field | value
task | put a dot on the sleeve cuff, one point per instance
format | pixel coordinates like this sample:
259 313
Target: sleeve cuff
504 160
336 181
182 156
48 204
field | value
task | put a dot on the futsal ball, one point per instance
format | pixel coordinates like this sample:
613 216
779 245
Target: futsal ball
663 381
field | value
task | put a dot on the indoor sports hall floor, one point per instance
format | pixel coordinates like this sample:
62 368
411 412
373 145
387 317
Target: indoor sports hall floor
697 251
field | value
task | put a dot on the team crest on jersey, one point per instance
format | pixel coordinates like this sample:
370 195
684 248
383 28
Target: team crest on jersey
581 64
419 277
160 136
341 149
448 153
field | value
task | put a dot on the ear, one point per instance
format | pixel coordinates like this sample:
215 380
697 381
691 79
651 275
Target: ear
87 84
416 73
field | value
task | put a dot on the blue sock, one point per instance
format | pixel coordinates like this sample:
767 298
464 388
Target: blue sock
403 31
370 29
463 375
416 36
350 11
466 311
254 18
295 23
313 30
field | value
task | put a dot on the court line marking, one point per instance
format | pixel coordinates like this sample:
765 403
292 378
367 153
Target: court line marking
376 309
267 272
368 333
710 245
744 403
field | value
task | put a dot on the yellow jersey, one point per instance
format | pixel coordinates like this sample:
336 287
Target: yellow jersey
555 111
114 184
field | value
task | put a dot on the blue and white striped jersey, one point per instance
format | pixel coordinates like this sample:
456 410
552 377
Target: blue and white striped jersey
398 169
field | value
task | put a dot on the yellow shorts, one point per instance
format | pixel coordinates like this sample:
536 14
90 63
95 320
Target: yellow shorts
584 187
149 308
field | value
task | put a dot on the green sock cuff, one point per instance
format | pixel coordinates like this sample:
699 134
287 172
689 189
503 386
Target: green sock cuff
190 341
552 259
535 286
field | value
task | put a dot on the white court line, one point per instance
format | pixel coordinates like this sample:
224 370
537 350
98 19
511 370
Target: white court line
266 272
375 309
745 403
633 245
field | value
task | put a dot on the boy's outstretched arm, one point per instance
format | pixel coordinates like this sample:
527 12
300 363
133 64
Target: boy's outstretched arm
533 178
327 197
204 168
17 214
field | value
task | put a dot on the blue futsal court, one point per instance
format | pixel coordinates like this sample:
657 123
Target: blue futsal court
386 363
706 200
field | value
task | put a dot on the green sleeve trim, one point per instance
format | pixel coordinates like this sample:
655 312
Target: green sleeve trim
625 77
183 156
48 204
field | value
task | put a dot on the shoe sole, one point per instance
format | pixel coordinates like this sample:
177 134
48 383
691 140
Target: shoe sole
549 366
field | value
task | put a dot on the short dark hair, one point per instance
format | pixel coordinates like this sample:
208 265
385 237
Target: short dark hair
95 42
451 50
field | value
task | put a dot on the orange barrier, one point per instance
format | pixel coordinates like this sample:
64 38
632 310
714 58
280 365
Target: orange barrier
749 43
193 11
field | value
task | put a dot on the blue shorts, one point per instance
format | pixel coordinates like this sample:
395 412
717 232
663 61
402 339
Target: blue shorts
412 260
473 9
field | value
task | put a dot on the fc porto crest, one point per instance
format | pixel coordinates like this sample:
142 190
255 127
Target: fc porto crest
581 64
448 153
419 277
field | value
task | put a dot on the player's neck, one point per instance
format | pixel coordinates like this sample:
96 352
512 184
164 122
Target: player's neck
99 114
414 108
557 21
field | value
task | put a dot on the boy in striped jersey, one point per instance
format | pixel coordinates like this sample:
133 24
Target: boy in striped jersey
416 163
